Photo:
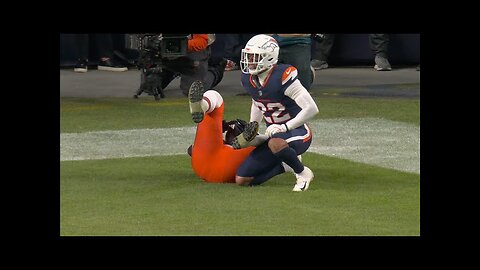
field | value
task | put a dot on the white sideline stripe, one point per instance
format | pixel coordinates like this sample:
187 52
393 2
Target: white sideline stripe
380 142
125 143
374 141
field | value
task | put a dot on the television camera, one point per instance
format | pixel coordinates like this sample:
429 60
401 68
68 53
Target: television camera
153 50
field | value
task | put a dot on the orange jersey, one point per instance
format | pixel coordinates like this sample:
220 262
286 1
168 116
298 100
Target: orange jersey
212 160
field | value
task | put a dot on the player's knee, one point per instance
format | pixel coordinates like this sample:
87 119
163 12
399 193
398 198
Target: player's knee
243 181
277 144
214 98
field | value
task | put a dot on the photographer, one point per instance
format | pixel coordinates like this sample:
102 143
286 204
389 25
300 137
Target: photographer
194 65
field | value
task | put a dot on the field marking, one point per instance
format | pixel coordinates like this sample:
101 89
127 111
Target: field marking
380 142
374 141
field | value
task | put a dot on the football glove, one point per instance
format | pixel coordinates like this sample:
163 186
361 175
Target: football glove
275 128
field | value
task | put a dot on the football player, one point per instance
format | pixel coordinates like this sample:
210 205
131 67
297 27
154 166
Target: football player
283 102
215 158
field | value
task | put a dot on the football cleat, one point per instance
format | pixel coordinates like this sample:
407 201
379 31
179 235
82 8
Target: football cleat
303 182
249 133
232 129
195 96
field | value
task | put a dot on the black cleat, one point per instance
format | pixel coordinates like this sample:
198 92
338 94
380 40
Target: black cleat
248 134
195 96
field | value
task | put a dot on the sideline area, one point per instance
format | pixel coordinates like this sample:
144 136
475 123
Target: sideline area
345 80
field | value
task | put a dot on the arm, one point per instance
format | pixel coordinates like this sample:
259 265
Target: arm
302 97
297 92
198 42
255 113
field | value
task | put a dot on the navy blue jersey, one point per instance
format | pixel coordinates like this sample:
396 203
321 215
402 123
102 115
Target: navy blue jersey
277 108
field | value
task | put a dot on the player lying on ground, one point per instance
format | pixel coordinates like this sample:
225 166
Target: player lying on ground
215 158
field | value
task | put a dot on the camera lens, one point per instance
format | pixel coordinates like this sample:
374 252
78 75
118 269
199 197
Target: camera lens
172 47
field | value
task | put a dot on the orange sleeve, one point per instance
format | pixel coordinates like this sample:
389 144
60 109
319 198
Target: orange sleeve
288 72
198 42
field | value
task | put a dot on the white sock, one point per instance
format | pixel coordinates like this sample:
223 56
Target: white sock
211 100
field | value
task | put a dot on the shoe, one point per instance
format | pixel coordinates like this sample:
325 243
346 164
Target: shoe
81 66
382 64
195 96
248 134
231 65
319 64
303 182
111 65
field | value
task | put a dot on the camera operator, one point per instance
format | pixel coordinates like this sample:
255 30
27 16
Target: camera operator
190 67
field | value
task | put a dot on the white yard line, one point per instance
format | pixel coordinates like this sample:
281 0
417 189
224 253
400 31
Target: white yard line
373 141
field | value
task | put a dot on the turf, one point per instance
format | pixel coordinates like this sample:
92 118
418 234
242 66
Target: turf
82 114
161 195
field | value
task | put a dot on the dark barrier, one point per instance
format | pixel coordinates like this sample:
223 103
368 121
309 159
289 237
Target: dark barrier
354 49
68 48
348 49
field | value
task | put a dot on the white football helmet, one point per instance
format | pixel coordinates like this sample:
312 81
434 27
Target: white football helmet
260 54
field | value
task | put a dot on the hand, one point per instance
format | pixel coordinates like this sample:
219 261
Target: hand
275 128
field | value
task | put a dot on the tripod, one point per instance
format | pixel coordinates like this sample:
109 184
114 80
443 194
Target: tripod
151 83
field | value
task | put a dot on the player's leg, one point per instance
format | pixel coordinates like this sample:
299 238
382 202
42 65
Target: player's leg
201 101
268 174
278 155
288 155
287 146
209 131
288 168
209 101
260 166
208 137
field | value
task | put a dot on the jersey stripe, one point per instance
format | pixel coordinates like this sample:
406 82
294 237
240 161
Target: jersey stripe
305 137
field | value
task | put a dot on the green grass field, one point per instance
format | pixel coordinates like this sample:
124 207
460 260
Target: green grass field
161 195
